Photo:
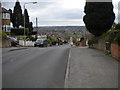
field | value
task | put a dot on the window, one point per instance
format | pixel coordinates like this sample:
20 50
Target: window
3 28
6 28
5 15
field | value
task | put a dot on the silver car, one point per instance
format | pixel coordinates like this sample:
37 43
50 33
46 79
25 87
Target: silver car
41 43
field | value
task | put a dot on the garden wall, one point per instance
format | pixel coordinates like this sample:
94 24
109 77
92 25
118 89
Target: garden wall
5 43
83 43
101 45
115 50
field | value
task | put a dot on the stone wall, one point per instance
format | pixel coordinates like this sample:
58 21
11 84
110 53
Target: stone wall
101 45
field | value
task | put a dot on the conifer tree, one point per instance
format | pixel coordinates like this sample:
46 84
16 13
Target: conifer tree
26 18
30 28
99 17
17 15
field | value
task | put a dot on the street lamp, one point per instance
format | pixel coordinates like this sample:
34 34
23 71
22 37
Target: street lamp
24 17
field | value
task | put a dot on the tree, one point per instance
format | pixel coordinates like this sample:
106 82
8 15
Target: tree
17 15
30 28
99 17
11 16
117 27
27 23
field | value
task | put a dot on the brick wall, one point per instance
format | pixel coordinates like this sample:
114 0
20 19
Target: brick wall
5 43
115 50
6 21
83 43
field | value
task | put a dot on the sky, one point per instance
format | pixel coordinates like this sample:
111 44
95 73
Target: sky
56 12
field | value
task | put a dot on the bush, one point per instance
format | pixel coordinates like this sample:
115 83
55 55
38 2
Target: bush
77 43
52 40
33 38
117 38
117 27
112 35
3 35
8 33
65 42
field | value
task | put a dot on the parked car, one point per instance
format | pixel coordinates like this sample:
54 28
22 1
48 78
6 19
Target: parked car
41 42
14 41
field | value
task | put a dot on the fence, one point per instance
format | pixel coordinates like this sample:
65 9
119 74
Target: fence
26 43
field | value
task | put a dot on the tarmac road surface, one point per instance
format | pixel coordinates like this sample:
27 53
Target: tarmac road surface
35 67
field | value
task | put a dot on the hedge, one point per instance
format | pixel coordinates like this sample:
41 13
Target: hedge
112 36
19 31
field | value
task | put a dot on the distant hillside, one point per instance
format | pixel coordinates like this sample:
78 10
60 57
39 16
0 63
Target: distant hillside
63 31
67 29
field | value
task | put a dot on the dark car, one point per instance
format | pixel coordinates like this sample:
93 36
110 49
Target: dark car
14 41
41 43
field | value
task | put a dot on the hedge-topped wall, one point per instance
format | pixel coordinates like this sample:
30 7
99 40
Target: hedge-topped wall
109 42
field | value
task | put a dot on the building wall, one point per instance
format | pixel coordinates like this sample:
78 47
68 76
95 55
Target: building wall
6 22
0 19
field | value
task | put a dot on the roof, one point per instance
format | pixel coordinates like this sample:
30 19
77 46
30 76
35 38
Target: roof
5 10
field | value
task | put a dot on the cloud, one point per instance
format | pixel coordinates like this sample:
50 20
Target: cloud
54 12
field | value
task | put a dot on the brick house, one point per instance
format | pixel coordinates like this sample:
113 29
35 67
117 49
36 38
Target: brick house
5 20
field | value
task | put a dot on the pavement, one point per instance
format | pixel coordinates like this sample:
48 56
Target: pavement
90 68
0 68
13 49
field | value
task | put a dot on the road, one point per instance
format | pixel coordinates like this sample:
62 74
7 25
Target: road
35 67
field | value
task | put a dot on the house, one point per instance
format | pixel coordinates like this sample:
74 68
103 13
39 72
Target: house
5 20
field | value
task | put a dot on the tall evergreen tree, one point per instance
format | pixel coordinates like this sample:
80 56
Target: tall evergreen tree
26 18
11 15
30 28
17 14
99 17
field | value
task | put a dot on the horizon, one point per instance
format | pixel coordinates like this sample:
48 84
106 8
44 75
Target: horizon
59 26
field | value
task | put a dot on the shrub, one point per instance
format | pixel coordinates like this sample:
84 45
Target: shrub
33 38
117 38
52 40
112 35
19 31
8 33
77 43
3 35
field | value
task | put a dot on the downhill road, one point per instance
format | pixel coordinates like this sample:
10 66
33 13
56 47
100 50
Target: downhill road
35 67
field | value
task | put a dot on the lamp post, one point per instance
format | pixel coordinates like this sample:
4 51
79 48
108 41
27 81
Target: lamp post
37 25
24 17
